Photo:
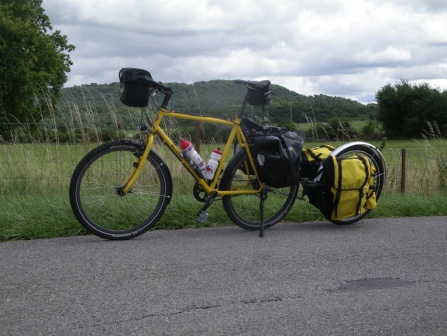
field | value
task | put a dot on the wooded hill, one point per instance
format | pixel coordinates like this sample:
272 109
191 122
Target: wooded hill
223 98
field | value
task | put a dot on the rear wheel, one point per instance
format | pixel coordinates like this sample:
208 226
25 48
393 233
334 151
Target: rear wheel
377 162
244 210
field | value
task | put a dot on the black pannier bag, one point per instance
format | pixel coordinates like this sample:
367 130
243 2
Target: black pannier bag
134 87
277 158
252 129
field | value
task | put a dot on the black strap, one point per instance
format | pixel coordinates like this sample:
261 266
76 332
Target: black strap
367 173
313 155
338 195
294 174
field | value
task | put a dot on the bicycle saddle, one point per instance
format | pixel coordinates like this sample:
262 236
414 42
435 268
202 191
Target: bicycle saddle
256 85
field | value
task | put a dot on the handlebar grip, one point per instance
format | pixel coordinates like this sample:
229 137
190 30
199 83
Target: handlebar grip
161 87
165 89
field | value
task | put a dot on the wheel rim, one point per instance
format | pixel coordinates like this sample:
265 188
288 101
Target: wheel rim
102 207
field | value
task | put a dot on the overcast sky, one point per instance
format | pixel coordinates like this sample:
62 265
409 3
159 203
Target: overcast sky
347 48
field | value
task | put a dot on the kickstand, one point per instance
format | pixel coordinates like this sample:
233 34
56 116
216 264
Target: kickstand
261 210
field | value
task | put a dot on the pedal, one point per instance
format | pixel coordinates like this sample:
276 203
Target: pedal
203 216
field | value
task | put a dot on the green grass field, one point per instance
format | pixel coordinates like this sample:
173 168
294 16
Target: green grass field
34 181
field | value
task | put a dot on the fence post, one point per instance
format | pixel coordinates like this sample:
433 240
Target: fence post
403 170
197 137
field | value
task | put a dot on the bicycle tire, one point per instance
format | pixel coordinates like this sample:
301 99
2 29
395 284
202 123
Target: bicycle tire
377 161
98 206
244 210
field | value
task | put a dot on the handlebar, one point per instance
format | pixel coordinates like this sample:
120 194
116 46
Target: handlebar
163 88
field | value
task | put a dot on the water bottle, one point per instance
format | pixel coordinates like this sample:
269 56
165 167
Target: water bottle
188 152
211 167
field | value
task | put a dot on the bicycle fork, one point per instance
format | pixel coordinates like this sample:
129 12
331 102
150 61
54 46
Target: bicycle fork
137 168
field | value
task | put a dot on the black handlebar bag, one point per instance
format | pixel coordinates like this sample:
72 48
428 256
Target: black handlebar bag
278 158
134 89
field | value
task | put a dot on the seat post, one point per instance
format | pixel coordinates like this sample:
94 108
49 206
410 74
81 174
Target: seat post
243 106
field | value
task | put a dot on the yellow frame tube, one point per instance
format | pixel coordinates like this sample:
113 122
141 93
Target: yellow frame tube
155 129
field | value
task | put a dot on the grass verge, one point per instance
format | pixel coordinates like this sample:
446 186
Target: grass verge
37 216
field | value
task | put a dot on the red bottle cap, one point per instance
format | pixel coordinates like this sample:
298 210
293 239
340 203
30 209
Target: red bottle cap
184 144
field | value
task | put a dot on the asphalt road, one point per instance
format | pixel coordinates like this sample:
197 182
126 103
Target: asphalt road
377 277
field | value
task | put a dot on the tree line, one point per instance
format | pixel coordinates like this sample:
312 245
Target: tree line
406 110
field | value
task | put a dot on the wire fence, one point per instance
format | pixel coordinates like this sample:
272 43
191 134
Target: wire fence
42 166
415 171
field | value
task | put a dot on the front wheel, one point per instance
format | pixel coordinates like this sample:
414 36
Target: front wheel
244 210
95 197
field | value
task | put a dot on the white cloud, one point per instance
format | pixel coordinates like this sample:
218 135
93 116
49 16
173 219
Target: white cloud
348 48
386 56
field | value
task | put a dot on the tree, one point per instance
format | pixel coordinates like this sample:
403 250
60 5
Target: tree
405 109
33 63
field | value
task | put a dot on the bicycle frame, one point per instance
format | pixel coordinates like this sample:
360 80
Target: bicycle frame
210 187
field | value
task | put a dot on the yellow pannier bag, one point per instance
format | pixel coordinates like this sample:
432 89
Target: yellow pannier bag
348 186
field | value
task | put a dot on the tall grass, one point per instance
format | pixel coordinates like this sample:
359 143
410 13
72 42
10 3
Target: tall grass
36 167
426 163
